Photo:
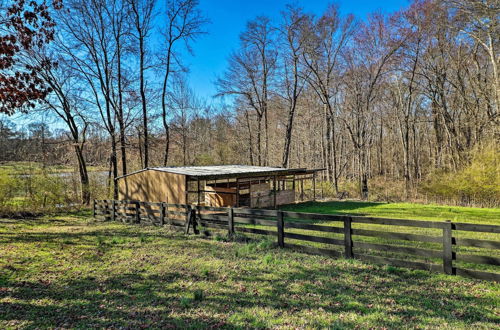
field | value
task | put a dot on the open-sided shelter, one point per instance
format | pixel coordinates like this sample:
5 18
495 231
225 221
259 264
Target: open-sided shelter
224 185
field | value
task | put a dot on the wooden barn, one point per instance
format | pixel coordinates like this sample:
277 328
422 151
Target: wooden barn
225 185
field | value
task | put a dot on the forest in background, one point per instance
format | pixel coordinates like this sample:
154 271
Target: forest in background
402 106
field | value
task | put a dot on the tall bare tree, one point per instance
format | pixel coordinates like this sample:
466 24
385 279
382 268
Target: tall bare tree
251 73
292 82
183 23
322 55
142 14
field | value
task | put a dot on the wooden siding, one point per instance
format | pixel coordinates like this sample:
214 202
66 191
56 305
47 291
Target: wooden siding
153 186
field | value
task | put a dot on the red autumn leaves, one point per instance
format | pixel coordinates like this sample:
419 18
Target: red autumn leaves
24 26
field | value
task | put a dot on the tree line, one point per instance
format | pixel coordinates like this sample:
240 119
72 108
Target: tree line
398 98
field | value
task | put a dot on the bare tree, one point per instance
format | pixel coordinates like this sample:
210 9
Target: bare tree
88 42
326 40
292 82
250 74
183 23
142 14
368 60
64 102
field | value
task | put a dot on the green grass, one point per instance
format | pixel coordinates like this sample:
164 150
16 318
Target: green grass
72 272
406 211
403 211
23 168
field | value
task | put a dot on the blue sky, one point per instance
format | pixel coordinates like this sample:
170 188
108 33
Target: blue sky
229 17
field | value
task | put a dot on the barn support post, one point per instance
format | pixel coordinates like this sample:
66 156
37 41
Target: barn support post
322 189
237 192
302 189
198 190
447 248
186 190
274 191
314 186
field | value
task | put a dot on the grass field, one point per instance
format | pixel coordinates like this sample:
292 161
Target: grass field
403 211
26 168
71 271
407 211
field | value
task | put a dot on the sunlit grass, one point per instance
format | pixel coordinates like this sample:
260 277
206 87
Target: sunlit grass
72 272
402 211
24 168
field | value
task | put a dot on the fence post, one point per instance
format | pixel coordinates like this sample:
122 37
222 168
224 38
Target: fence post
188 220
162 214
113 212
281 229
230 221
447 248
194 222
93 209
137 213
348 237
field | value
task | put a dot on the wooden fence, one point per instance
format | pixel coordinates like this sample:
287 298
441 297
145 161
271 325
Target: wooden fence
441 251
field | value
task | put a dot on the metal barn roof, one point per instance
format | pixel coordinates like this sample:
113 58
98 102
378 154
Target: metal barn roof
225 171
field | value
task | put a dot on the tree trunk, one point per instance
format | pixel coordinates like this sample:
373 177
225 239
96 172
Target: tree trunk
114 167
144 104
84 177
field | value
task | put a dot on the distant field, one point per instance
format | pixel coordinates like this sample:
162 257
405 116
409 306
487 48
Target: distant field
402 211
20 168
72 272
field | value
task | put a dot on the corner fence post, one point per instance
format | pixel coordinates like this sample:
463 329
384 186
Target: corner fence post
162 214
447 248
113 210
348 237
230 221
281 229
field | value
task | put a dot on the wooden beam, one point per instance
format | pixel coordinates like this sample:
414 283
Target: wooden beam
237 192
274 190
314 186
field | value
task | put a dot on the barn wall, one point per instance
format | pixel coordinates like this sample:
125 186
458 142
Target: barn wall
153 186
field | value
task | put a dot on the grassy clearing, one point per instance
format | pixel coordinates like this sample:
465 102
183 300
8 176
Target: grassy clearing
406 211
74 272
27 168
403 211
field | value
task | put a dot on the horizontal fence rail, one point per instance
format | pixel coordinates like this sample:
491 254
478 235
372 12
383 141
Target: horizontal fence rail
438 249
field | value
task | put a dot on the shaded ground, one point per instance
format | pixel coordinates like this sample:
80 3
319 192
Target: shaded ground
74 272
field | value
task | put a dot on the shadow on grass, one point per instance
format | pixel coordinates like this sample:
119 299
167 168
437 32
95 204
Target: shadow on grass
291 286
137 300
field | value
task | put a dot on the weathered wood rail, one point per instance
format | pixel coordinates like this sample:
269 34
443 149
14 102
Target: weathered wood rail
440 252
